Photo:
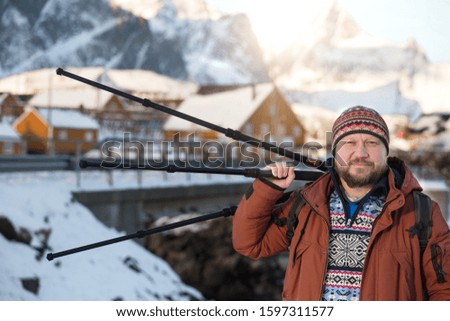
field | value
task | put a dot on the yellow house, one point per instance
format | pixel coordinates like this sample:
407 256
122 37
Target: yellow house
54 130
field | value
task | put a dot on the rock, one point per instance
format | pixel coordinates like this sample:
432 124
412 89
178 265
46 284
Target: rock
8 230
31 284
206 260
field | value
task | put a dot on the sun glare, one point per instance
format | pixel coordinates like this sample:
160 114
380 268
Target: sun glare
277 23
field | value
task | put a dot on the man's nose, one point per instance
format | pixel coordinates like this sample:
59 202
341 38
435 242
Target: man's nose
361 151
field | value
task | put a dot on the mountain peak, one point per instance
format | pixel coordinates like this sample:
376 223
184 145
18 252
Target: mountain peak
332 23
337 50
181 9
182 39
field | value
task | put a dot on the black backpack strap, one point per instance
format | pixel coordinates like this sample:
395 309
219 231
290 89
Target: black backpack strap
277 209
292 219
422 209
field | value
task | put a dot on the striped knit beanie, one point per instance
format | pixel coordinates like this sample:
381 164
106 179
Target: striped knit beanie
360 119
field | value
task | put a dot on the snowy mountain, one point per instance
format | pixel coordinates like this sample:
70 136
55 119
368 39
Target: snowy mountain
335 64
187 41
335 49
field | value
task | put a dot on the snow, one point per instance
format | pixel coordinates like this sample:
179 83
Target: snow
439 142
430 87
385 99
13 17
142 8
144 81
316 127
66 47
433 185
363 39
228 109
7 132
427 124
35 81
68 119
197 9
43 201
88 97
400 143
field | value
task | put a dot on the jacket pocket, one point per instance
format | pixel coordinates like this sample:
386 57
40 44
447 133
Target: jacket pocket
402 278
294 276
300 249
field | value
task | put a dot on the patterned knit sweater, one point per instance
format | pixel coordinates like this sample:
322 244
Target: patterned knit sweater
349 238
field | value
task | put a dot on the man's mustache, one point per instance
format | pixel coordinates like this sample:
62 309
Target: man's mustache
360 162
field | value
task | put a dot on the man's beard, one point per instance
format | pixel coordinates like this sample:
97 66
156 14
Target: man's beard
355 181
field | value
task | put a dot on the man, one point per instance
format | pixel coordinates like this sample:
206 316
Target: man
354 239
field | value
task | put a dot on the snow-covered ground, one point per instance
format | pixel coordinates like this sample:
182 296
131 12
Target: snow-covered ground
41 202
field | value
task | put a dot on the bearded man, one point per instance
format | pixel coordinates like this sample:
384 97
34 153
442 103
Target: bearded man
353 236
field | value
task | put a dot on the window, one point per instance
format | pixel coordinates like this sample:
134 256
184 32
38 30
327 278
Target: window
63 135
272 110
113 106
248 129
296 131
8 148
89 136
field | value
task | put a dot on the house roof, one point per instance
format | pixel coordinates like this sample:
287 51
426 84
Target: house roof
7 132
90 98
67 118
4 96
34 81
229 109
311 115
143 81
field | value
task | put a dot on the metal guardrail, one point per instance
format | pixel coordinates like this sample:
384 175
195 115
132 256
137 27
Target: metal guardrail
36 163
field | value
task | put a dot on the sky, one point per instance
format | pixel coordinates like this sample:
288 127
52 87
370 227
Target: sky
426 21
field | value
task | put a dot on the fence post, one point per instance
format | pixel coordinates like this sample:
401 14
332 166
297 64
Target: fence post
77 161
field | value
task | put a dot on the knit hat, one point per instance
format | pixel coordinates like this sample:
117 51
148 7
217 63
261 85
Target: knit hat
360 119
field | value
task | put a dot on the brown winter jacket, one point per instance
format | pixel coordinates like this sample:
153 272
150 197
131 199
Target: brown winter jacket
391 268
